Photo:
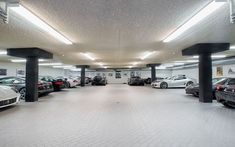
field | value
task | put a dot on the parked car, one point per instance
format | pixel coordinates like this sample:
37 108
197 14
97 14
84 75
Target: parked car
9 96
19 84
194 88
69 82
58 84
147 81
174 81
225 94
157 80
99 80
136 81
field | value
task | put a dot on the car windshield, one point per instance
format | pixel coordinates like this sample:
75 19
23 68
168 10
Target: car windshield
221 81
214 80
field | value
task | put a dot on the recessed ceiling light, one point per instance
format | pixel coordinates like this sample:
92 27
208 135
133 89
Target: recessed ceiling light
63 66
203 13
88 56
130 66
147 54
28 15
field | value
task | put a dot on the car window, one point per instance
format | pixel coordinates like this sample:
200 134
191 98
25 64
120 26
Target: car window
231 82
221 82
7 81
18 81
180 78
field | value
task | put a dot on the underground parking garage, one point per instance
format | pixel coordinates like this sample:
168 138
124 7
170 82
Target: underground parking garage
117 73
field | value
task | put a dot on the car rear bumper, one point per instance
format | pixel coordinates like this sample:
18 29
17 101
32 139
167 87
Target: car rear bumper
225 96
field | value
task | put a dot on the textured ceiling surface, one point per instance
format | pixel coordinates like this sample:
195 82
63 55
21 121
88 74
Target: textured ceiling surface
116 32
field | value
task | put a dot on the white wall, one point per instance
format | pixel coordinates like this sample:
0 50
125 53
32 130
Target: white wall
193 72
13 67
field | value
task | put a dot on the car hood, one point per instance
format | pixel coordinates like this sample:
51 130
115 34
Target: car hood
7 93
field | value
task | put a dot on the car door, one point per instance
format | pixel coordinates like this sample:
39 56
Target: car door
179 81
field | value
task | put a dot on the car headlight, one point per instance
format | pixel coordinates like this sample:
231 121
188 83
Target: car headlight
14 89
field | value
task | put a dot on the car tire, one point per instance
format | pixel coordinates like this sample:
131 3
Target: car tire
22 92
227 104
189 83
164 85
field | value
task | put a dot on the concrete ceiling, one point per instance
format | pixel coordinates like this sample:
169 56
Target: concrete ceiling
116 32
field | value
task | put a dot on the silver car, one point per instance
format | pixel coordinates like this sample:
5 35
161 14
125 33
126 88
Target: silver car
174 81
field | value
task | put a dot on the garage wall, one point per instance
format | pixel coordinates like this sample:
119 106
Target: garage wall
193 72
13 67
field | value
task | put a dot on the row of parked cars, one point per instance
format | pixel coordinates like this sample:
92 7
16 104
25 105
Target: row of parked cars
223 89
13 89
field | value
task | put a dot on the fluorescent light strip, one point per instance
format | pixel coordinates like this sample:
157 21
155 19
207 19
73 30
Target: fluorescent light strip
24 60
50 64
206 11
88 56
40 23
3 52
232 47
63 66
212 56
147 54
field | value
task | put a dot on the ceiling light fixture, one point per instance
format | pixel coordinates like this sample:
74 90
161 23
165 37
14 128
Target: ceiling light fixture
88 56
147 54
50 64
178 63
160 67
232 47
24 60
203 13
21 10
212 56
62 66
3 52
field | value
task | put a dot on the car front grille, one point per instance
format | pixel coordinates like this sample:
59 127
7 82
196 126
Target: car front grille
7 102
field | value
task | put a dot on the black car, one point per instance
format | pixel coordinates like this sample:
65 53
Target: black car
136 81
58 84
194 88
18 83
99 80
225 94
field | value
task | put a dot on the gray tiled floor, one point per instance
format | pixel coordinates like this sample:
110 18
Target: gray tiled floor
118 115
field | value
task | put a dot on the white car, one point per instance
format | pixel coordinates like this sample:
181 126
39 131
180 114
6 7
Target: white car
175 81
9 96
72 82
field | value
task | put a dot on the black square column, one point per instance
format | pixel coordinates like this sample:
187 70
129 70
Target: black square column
83 73
31 79
205 78
204 50
32 55
153 70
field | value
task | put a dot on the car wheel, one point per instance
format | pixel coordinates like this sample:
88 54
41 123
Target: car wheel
22 93
227 104
68 85
189 83
164 85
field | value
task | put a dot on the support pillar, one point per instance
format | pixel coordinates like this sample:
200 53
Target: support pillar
31 79
205 78
83 76
204 50
83 73
31 55
153 70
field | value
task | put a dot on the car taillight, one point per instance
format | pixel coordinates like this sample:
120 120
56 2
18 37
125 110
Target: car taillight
218 87
58 83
